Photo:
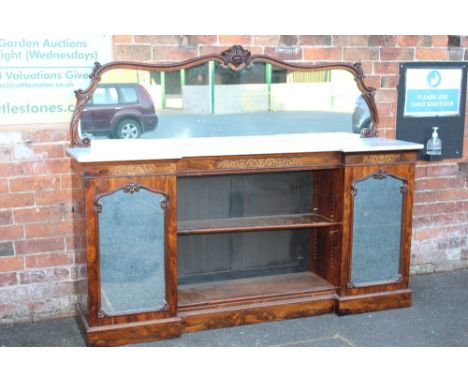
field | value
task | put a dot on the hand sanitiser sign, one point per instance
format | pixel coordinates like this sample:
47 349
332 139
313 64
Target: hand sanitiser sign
432 92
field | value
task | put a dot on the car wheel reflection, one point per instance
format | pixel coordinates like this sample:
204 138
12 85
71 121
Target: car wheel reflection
128 129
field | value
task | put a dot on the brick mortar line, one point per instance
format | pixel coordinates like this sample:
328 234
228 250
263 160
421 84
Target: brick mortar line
428 228
424 254
26 287
431 190
431 216
449 190
439 202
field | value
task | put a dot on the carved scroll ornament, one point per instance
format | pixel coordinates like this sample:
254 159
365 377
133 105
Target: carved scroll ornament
129 188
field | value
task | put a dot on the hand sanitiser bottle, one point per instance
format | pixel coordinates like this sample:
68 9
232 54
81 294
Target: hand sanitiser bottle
434 144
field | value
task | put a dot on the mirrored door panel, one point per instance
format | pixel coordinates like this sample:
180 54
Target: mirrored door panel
377 229
132 250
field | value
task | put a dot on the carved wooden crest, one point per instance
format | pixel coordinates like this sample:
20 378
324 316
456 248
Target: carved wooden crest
236 57
131 188
381 174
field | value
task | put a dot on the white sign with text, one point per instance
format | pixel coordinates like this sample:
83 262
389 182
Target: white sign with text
38 75
432 92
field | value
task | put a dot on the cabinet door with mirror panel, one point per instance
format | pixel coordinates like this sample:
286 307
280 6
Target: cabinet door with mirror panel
135 255
380 229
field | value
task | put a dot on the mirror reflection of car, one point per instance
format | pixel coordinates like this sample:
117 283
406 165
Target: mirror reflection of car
361 116
123 111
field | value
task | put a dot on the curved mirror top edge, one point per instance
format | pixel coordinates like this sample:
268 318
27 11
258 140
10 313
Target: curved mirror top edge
213 100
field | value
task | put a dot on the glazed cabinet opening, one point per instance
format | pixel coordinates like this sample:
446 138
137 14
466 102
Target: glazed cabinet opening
266 228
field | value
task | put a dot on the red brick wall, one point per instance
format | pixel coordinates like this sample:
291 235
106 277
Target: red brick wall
38 261
41 262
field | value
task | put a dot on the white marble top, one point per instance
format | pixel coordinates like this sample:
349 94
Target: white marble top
113 150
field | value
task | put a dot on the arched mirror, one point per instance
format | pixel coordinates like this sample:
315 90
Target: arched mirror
231 94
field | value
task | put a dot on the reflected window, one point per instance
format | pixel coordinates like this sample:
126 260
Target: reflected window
282 76
254 74
128 94
278 75
197 75
155 78
105 96
173 85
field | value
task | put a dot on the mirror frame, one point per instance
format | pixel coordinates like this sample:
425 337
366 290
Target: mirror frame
236 58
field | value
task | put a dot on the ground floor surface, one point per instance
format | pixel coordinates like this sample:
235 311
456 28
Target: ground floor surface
438 317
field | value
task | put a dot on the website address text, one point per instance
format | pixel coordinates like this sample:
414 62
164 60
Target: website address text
7 108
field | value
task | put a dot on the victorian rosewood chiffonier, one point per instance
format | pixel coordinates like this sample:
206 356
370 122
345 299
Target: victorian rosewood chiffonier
252 190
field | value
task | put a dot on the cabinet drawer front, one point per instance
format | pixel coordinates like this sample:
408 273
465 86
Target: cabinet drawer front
380 158
188 166
129 169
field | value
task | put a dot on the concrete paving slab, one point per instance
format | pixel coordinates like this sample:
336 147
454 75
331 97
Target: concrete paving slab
62 332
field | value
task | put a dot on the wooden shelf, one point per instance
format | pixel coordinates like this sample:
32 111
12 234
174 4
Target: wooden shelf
255 223
290 285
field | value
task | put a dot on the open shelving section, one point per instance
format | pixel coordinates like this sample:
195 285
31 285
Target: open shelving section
245 237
